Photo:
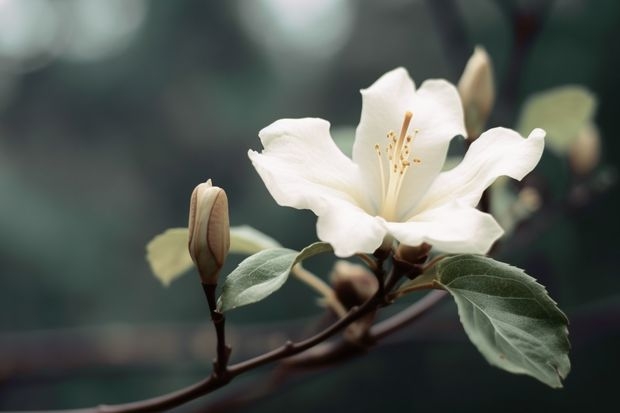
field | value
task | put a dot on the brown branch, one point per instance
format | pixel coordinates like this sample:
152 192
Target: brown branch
325 355
218 319
407 316
224 376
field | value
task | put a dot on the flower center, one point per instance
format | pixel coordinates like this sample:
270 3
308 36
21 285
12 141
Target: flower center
398 152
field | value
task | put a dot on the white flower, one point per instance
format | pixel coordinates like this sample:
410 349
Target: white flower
394 185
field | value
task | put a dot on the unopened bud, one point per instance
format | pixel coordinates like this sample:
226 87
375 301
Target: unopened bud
209 230
353 285
585 151
413 254
477 91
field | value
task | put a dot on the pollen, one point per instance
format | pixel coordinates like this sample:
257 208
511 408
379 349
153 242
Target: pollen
398 152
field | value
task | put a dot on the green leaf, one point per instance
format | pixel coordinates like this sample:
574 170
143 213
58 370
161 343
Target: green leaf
263 273
169 258
312 250
508 316
563 112
246 240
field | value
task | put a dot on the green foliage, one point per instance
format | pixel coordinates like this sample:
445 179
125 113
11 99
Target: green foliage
169 258
563 112
508 316
246 240
263 273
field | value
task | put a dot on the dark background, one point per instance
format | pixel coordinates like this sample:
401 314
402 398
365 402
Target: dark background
112 111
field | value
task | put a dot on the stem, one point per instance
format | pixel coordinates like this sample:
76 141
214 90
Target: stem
222 374
222 377
322 356
218 319
370 263
321 287
339 350
407 316
291 348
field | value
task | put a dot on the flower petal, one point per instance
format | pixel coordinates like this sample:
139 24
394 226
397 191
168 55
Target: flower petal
497 152
384 104
303 168
438 117
451 228
350 229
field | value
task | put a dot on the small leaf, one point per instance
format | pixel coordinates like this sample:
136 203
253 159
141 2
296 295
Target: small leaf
312 250
168 256
508 316
262 274
246 240
563 112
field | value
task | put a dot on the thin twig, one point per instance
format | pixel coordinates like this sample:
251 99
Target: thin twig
219 322
215 380
321 287
325 355
407 316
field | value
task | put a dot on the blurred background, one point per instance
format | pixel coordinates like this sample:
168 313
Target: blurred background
112 111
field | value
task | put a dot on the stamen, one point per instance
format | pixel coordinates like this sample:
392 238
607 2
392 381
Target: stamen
403 130
378 149
398 152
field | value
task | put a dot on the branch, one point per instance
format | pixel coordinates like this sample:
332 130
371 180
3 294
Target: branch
321 287
324 355
219 321
220 378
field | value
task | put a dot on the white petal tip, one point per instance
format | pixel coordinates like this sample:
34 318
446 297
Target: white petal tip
398 76
291 127
537 133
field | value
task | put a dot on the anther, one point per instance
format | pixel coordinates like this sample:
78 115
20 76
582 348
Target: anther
406 122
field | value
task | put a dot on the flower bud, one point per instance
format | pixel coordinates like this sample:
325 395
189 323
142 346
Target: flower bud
585 152
477 91
209 230
413 254
353 285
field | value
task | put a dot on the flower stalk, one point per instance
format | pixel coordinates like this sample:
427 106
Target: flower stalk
209 242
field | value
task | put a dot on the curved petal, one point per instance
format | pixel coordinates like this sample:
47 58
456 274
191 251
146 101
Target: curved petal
497 152
349 229
450 228
438 117
384 104
303 168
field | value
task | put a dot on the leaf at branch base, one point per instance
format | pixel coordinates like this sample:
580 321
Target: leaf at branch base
169 258
262 274
508 316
